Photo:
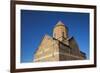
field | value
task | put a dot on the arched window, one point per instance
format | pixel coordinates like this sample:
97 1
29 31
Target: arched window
62 34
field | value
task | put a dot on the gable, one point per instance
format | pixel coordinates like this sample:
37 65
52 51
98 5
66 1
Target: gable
44 44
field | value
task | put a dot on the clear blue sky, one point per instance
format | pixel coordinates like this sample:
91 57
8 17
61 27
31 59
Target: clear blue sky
35 24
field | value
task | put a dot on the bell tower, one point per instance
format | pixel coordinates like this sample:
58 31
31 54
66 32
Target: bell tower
60 32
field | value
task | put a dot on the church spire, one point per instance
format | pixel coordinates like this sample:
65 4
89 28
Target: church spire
60 32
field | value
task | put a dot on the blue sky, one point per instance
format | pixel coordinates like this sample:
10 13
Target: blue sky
35 24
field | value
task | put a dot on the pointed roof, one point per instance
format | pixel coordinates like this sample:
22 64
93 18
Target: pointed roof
60 23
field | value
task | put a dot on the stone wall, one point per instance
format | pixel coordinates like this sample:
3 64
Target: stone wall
46 50
51 49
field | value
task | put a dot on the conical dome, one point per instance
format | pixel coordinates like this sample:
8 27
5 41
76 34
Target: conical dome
61 24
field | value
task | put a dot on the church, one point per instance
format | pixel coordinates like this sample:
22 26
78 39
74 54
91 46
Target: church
59 47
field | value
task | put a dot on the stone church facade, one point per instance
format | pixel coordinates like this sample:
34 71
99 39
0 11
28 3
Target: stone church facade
60 47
